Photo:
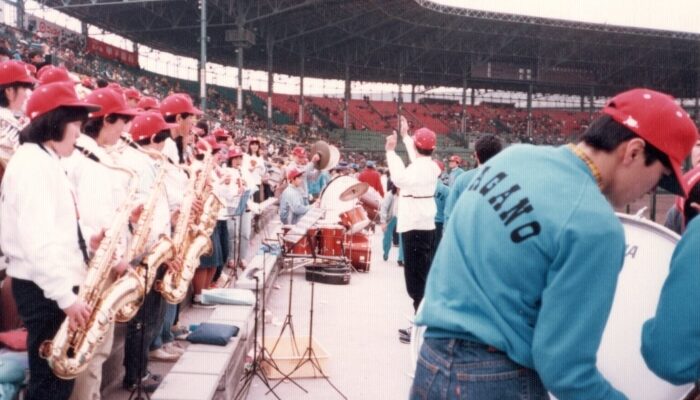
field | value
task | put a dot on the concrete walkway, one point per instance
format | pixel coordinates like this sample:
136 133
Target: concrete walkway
357 325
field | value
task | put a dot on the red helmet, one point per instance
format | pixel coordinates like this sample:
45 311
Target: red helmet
456 159
148 124
211 140
110 102
235 151
53 95
50 74
178 103
15 71
132 94
424 139
148 103
220 133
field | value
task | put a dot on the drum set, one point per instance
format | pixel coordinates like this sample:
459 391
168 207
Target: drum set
340 238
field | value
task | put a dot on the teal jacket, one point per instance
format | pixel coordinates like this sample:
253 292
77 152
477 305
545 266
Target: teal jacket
528 264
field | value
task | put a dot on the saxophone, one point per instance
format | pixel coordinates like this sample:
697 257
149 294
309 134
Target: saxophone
147 269
192 241
70 352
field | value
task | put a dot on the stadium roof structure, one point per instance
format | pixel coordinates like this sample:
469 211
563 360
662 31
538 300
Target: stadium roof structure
411 41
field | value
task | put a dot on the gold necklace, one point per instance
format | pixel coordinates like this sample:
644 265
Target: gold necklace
584 157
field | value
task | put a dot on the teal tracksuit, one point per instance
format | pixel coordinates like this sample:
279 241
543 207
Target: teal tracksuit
671 340
528 264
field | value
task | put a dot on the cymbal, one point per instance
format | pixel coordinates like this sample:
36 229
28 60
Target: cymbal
354 191
334 158
324 152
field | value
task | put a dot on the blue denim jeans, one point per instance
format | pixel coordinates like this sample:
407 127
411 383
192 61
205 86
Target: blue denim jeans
166 335
459 369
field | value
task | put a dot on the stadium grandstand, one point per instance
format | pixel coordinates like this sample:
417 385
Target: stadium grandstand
290 74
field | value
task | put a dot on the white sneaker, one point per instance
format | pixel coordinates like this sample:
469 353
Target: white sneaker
162 355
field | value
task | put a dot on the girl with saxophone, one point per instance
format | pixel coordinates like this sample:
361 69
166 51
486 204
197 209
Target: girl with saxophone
40 232
100 190
16 85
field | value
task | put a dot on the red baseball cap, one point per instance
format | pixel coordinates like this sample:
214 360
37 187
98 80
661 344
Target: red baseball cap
51 74
211 140
15 71
456 159
293 173
148 103
148 124
178 103
424 139
87 82
656 118
220 133
116 87
110 102
234 151
299 151
132 94
53 95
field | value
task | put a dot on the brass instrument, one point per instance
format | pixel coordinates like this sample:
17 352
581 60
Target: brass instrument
191 241
146 271
9 138
70 352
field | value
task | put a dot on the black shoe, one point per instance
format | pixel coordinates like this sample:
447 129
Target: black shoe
148 386
405 332
400 263
152 376
404 339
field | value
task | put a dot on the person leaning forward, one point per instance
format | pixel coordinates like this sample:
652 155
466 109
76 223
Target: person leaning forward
525 275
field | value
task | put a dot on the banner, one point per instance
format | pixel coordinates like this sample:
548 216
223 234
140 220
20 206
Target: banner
114 53
46 29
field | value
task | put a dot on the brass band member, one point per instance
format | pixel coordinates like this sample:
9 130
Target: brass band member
40 232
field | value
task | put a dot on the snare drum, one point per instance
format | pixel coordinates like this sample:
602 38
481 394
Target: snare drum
359 251
355 219
305 246
330 240
648 254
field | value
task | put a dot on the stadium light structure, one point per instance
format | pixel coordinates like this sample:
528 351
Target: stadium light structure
94 3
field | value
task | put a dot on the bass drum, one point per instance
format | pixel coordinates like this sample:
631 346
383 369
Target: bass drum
330 198
649 247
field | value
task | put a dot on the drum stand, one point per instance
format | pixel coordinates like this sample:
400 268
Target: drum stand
309 355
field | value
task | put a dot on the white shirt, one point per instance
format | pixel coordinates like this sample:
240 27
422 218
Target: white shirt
170 150
39 231
256 171
416 209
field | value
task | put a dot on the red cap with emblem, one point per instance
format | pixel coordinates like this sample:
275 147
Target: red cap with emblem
235 151
178 103
656 118
211 140
293 173
148 124
220 133
110 102
424 139
53 95
15 71
148 103
299 151
132 94
51 74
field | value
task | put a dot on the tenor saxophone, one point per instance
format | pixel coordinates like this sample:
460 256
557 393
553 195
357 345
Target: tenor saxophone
70 352
192 240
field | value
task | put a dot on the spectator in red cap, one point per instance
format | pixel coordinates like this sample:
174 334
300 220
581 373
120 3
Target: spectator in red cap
178 109
454 163
301 162
292 204
40 233
416 209
16 85
534 233
370 176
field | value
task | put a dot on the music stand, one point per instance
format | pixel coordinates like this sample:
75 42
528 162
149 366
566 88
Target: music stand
238 213
309 355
